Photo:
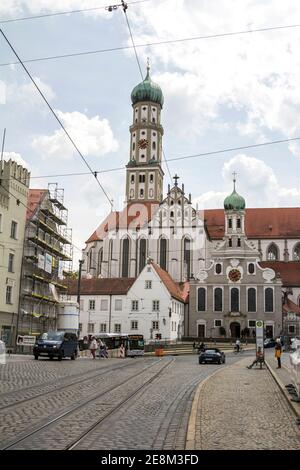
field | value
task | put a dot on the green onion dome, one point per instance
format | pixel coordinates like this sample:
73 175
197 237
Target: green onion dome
147 91
234 201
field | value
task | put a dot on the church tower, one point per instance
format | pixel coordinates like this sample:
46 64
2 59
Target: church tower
234 206
144 175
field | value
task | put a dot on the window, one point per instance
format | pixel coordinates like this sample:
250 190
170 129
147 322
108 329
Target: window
238 242
155 325
218 268
251 323
117 328
104 305
141 193
125 257
13 229
100 259
163 254
251 300
142 178
80 326
251 268
292 329
135 305
102 328
133 146
230 242
172 214
187 256
118 304
91 327
8 294
153 145
269 300
11 263
235 300
201 299
148 284
132 179
134 325
142 260
218 299
151 177
155 305
218 323
238 223
229 223
296 251
273 253
92 304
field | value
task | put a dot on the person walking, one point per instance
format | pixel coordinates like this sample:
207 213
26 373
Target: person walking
93 347
278 351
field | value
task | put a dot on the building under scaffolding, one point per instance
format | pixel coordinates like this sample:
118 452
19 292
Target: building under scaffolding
47 257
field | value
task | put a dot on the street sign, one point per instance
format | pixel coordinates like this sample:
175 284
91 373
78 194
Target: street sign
259 330
26 340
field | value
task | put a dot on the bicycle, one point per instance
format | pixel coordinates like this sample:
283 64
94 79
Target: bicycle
237 351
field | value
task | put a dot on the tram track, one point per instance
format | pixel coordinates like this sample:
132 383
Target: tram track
104 407
84 377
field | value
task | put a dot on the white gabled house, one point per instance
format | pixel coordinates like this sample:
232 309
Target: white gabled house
152 305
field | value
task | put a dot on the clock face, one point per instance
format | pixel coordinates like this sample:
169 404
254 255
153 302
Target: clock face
143 143
234 275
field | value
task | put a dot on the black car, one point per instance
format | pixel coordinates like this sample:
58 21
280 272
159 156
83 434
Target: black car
269 343
212 356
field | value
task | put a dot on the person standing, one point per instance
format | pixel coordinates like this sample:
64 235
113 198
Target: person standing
278 351
93 347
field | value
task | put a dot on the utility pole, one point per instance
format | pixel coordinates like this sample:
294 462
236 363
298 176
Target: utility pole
79 282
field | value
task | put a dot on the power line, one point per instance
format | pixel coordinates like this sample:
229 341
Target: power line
47 15
57 118
150 44
184 157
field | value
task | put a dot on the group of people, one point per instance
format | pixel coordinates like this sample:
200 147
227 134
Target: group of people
103 352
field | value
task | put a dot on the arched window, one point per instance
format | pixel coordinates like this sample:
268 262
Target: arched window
163 254
235 299
230 242
218 268
187 256
153 145
296 252
90 260
238 223
251 268
273 253
100 259
218 299
269 300
251 300
229 223
142 258
125 257
110 255
201 299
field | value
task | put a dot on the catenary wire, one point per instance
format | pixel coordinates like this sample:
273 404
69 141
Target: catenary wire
93 173
154 43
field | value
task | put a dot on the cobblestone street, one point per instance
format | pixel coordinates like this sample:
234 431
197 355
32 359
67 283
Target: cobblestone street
142 404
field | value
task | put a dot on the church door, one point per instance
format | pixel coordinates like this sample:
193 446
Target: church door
269 331
201 331
235 329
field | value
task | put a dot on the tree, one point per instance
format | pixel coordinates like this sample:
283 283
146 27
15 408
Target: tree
70 274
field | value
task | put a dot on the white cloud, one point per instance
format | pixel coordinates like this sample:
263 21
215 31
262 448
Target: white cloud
92 136
27 94
16 157
250 80
256 182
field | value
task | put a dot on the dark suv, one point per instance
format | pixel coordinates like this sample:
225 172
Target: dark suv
56 344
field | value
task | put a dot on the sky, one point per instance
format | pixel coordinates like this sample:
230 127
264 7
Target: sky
223 92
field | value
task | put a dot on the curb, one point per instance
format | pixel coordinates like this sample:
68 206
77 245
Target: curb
191 429
283 390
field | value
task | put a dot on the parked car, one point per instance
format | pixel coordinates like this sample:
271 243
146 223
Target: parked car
56 344
269 343
211 356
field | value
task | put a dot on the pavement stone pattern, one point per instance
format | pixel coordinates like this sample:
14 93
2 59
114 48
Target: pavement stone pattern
240 408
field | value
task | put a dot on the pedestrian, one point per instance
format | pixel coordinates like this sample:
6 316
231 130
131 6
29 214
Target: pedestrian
194 345
103 351
259 359
237 345
93 347
278 350
122 351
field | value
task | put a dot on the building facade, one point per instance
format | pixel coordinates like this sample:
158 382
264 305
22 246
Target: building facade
13 199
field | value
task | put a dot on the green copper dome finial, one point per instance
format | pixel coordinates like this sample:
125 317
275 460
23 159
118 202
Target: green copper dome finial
234 202
147 90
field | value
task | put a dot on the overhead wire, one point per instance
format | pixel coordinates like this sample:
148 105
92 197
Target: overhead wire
151 44
94 174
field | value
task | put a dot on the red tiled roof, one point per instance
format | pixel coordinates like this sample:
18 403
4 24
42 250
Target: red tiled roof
289 272
133 216
290 306
260 223
170 284
35 196
105 286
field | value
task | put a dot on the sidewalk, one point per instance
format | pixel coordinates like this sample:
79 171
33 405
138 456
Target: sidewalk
237 408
